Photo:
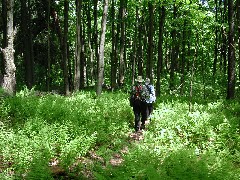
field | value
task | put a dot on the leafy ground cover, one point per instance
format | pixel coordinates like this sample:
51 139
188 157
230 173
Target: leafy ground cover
48 136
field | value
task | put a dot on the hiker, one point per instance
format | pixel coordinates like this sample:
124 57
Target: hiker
151 99
139 94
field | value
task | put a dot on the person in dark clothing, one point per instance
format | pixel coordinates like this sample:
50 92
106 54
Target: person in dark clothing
139 94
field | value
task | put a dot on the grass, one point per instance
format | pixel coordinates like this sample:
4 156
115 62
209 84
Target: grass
47 136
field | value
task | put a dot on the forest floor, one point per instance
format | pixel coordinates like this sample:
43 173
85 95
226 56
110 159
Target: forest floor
91 158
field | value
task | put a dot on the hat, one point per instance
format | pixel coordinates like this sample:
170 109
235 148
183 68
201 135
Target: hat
147 80
139 79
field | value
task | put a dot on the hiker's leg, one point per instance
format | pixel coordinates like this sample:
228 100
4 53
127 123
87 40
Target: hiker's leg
137 112
144 113
150 110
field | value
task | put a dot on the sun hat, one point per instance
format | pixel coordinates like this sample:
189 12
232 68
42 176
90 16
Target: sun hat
139 79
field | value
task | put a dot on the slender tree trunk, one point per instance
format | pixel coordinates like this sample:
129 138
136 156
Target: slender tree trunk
238 18
183 57
4 41
78 46
149 73
216 44
27 49
135 47
83 59
231 52
114 51
95 17
174 50
90 73
101 51
160 49
122 42
140 47
49 49
9 79
65 48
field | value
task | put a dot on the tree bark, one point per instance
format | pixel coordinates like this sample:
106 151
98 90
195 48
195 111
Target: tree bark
9 79
216 44
238 18
49 48
96 46
160 49
174 50
65 48
101 50
27 49
183 57
149 68
78 46
114 50
231 52
122 42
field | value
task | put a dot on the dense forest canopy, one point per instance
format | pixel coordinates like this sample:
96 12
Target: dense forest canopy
181 45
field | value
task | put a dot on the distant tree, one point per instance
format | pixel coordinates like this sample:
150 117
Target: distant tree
149 66
27 42
114 49
238 18
122 41
65 48
162 11
231 52
9 79
101 50
78 45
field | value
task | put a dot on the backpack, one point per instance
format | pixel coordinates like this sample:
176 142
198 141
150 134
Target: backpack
138 93
151 92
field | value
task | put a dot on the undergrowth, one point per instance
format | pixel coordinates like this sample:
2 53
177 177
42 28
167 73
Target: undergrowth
42 131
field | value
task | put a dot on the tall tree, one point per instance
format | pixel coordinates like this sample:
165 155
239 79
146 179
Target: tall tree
49 48
231 52
65 48
27 42
149 68
122 41
9 79
114 50
162 12
238 18
174 48
78 45
101 50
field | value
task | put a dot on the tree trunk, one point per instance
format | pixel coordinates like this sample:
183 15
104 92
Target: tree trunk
149 73
231 52
65 48
78 46
160 49
90 69
174 50
140 48
95 17
27 49
122 42
184 38
216 44
4 43
134 59
114 50
49 49
9 79
238 18
101 50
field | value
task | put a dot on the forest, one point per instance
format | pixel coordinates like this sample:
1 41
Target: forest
66 71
